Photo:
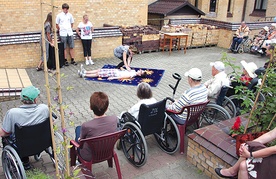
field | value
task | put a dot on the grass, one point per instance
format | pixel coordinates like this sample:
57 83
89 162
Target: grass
37 174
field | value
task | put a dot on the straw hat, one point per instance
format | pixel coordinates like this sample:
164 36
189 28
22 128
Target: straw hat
266 28
250 67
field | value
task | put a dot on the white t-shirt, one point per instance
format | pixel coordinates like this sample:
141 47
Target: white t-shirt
123 73
64 21
134 110
86 30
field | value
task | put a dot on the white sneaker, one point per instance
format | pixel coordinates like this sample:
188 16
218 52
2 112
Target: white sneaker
82 69
86 62
91 62
79 73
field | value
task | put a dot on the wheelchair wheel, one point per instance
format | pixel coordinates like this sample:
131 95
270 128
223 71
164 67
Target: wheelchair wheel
168 138
229 106
213 113
134 145
240 49
12 165
239 103
60 149
247 45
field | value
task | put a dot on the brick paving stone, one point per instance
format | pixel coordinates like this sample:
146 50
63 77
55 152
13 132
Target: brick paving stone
122 97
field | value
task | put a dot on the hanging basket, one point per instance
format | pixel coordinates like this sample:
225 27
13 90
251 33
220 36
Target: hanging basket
242 138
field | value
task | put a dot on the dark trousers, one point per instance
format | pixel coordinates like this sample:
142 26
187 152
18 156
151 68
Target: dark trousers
121 64
236 42
77 132
86 44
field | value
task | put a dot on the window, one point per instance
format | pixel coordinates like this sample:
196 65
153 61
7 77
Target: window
213 4
229 6
196 3
229 9
260 4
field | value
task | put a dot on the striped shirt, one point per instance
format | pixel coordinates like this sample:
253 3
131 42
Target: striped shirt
193 95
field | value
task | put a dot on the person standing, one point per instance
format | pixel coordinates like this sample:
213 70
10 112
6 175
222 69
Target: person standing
64 23
84 30
48 40
125 54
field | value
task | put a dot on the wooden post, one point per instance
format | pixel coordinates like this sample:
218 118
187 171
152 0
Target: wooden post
58 88
48 87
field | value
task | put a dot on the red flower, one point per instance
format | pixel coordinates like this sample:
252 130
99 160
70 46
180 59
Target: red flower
237 124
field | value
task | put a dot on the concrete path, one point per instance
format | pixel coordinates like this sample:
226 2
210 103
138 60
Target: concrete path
159 164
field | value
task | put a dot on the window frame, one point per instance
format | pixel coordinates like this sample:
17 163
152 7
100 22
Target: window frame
261 5
213 6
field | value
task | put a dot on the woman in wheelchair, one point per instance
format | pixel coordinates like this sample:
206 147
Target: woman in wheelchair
196 94
30 113
100 125
259 39
144 94
246 78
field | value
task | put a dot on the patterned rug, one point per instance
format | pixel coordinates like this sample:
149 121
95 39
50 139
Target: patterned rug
153 77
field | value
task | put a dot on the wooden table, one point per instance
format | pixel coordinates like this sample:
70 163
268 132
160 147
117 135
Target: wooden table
172 36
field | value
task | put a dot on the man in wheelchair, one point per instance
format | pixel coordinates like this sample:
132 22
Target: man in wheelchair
196 94
30 113
219 79
241 33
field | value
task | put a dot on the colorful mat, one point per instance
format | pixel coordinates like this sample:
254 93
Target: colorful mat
153 77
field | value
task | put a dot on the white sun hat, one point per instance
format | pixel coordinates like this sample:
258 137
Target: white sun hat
250 68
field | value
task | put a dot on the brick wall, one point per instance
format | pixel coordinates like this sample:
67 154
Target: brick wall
28 55
203 159
24 16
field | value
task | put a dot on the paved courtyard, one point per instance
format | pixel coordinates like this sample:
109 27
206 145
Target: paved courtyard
159 164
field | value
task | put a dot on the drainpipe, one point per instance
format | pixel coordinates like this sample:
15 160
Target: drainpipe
244 10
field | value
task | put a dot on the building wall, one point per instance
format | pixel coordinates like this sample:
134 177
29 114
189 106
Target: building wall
24 16
28 55
236 10
271 6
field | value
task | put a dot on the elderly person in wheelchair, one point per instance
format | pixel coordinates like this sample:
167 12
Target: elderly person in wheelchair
197 93
30 113
219 79
246 78
144 93
241 33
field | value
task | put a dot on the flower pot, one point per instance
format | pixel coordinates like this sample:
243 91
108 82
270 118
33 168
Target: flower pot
242 138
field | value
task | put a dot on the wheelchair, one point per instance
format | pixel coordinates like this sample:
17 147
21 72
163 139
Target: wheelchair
27 144
223 108
152 119
239 99
244 46
218 110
